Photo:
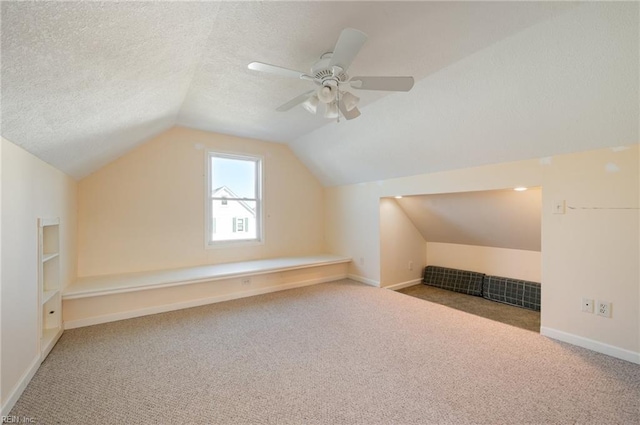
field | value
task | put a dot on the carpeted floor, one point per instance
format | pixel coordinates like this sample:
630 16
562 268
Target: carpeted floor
514 316
334 353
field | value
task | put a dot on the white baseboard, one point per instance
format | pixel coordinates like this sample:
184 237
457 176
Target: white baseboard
194 303
401 285
600 347
363 279
18 389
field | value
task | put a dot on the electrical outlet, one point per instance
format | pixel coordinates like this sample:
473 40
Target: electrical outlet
604 308
559 207
587 305
246 281
362 261
410 265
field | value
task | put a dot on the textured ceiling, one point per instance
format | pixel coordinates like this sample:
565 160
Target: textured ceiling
497 218
85 82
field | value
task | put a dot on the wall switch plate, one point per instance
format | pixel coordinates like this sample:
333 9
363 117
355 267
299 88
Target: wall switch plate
559 207
603 308
587 305
410 265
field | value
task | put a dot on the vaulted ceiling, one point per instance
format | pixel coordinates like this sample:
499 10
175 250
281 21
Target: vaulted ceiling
85 82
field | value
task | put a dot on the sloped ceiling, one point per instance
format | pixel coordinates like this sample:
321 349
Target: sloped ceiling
85 82
495 218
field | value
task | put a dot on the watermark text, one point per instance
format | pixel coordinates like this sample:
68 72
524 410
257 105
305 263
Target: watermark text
17 420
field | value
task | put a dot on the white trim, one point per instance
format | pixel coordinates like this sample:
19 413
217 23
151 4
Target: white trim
600 347
22 383
196 303
44 222
363 279
236 243
401 285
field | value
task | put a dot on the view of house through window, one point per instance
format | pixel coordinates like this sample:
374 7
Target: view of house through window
234 192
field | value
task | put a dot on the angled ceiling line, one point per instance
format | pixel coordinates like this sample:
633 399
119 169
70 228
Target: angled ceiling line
198 60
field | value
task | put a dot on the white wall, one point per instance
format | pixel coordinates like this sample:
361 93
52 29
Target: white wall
514 263
30 189
584 252
401 243
145 211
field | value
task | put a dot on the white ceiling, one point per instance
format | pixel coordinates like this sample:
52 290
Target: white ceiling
496 218
85 82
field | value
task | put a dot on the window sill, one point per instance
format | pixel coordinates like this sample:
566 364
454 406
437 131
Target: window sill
233 244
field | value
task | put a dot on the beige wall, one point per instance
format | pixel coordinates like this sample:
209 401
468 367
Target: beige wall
584 252
402 247
352 230
145 211
30 189
593 250
514 263
352 223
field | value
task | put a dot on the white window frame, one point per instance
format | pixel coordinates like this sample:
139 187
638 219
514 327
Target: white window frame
259 239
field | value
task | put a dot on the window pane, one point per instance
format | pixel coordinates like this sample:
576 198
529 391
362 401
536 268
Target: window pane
234 221
233 178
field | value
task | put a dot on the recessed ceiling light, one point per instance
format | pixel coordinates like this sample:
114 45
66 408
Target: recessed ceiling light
520 189
398 197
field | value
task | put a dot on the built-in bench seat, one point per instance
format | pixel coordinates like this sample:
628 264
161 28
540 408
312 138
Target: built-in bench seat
98 299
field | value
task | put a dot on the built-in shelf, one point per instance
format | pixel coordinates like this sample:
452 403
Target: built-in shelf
49 284
48 335
47 295
47 257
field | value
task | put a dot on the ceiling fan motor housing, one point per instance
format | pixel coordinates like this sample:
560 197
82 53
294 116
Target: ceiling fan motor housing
322 71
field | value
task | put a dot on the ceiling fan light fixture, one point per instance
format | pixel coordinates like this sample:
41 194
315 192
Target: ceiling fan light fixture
326 94
331 110
350 100
311 104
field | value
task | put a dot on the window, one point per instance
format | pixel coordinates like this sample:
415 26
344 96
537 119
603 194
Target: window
234 199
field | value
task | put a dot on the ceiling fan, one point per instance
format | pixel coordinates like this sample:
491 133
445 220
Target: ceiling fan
329 73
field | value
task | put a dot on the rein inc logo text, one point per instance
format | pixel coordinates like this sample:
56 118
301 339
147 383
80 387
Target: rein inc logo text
17 420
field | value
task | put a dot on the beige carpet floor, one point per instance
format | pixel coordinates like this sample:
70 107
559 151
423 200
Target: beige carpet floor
511 315
334 353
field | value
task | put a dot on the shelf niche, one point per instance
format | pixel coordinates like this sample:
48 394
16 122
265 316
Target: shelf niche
50 298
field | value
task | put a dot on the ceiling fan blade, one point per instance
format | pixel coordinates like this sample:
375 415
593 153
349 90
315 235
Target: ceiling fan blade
295 101
349 115
277 70
349 44
382 83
